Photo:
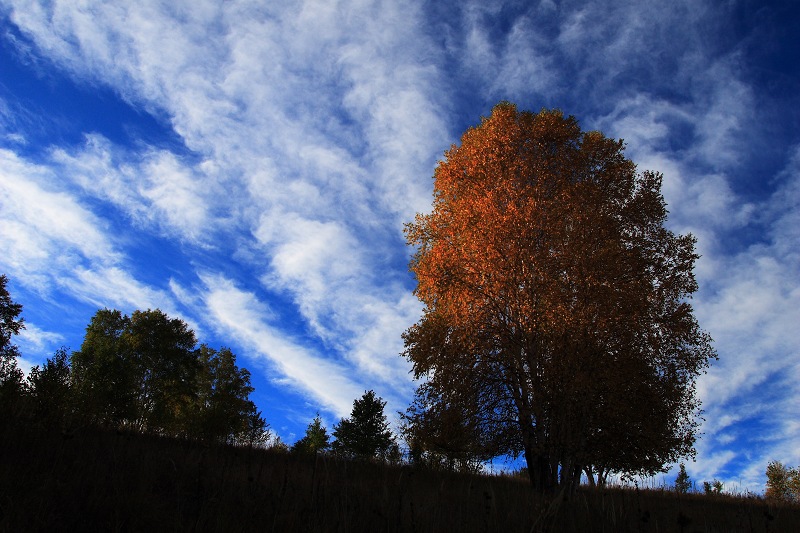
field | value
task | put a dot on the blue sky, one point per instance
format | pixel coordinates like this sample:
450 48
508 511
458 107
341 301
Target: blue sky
248 166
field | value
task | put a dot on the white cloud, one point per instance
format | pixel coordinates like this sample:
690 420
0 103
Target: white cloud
116 288
312 180
241 315
154 188
43 229
173 191
52 241
36 340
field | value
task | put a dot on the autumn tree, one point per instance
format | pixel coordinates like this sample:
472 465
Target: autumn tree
783 482
11 378
366 434
556 300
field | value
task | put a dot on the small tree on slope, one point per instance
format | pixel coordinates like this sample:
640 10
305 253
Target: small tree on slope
366 434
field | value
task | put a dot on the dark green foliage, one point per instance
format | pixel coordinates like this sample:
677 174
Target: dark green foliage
10 322
105 373
50 390
93 480
11 385
142 372
136 371
315 440
222 410
366 434
712 487
443 435
162 350
682 482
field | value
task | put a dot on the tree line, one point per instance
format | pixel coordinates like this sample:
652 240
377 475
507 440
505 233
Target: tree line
143 372
146 373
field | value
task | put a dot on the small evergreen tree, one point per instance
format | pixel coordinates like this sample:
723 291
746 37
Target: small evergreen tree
315 440
366 434
682 482
222 409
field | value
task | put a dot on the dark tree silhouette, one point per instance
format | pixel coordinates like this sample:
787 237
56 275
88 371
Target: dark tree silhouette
223 410
366 434
136 371
315 440
11 378
50 389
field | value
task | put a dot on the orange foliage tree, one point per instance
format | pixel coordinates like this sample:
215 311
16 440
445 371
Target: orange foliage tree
556 317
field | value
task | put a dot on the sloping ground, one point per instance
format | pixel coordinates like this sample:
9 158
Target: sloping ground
91 480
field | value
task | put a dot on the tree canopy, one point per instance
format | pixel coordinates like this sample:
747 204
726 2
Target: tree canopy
556 312
136 371
50 389
783 482
366 434
140 372
315 440
222 409
143 372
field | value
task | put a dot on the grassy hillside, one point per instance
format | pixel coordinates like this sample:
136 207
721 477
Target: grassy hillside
91 480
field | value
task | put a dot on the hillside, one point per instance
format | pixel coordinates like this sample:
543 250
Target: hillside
93 480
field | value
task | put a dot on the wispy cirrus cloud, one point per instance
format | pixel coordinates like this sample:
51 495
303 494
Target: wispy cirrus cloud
309 135
44 228
239 314
310 132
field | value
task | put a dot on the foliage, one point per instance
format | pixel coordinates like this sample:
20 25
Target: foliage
446 435
136 371
104 371
555 301
366 434
682 482
140 372
315 440
10 321
783 483
712 487
143 372
50 389
11 384
222 409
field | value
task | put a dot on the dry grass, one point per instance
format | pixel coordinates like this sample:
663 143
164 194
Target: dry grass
105 481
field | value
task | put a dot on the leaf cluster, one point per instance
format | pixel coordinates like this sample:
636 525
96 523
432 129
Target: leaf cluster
556 302
783 482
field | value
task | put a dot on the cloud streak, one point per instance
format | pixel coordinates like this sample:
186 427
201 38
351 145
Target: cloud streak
309 133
